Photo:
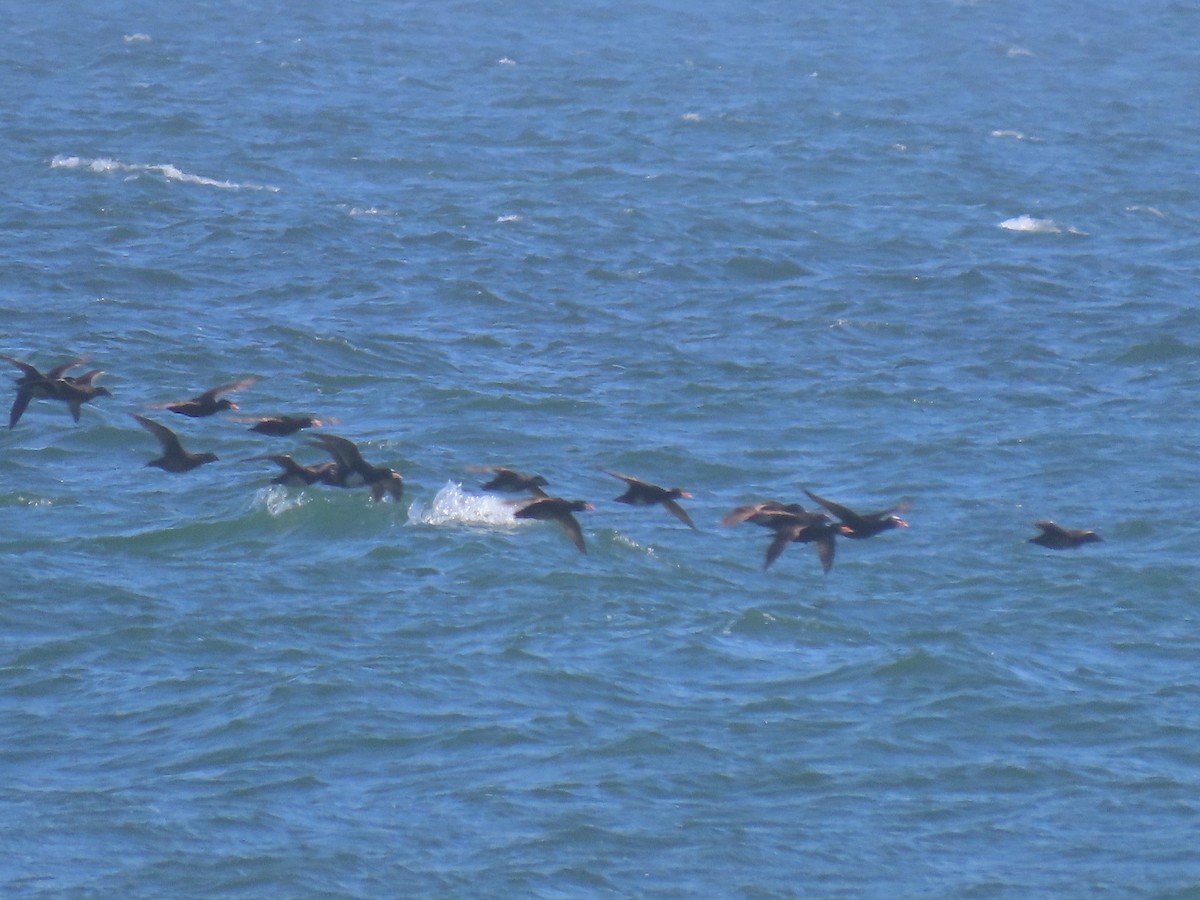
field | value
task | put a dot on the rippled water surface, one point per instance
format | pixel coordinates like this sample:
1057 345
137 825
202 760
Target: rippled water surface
941 255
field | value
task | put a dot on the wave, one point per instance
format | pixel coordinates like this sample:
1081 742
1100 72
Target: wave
104 165
454 506
1031 225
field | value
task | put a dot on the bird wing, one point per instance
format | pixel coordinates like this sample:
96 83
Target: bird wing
213 393
847 515
344 450
628 479
679 512
571 526
826 549
166 437
783 537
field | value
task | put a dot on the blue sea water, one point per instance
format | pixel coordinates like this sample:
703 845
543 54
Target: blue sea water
939 253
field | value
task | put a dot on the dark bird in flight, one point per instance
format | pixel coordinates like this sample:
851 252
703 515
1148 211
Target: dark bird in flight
54 384
558 510
643 493
174 458
862 525
512 481
210 402
348 462
294 473
791 524
282 426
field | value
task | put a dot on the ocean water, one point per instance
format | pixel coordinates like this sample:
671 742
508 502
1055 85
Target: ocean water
942 254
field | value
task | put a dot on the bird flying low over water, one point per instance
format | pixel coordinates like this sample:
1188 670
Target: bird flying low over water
512 481
862 525
643 493
295 473
1056 537
174 458
210 402
558 510
792 524
348 462
54 385
282 426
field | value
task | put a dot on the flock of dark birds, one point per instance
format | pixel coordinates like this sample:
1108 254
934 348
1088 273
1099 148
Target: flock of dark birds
789 523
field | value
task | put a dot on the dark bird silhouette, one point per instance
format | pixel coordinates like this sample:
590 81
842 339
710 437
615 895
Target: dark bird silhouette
792 524
34 384
1058 538
211 401
864 525
348 462
75 391
282 426
174 458
558 510
821 533
511 481
643 493
295 473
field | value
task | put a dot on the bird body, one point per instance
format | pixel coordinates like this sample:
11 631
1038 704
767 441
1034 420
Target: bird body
558 510
175 458
210 402
282 426
861 525
643 493
1055 537
349 461
512 481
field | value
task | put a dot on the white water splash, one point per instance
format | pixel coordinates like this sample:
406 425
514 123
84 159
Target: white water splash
104 166
454 506
277 500
1031 225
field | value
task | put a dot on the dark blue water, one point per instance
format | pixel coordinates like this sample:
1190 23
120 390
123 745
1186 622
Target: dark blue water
936 254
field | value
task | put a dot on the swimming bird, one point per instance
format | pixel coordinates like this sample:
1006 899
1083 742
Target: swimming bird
512 481
348 461
33 383
643 493
295 473
558 510
282 426
207 403
792 524
1058 538
864 525
174 458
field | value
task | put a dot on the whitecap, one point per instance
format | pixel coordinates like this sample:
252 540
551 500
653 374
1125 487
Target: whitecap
454 506
511 218
690 117
1008 133
277 500
104 165
505 61
138 38
1031 225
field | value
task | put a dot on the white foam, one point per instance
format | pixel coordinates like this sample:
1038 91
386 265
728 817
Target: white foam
1031 225
454 506
1008 133
104 165
277 500
138 38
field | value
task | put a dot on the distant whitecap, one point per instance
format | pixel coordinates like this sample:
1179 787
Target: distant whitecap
1031 225
512 218
454 506
505 61
137 38
690 117
1008 133
104 165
